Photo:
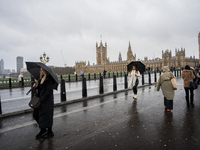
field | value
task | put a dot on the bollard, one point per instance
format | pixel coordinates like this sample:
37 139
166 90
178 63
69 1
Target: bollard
61 77
22 81
155 77
76 77
62 90
117 74
89 76
109 75
69 77
32 78
95 76
84 88
0 105
125 81
99 75
10 83
177 73
101 85
149 78
143 79
114 83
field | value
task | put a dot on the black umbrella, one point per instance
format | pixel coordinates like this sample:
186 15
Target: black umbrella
34 68
139 66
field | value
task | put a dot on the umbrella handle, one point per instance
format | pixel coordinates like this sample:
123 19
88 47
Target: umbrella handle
29 91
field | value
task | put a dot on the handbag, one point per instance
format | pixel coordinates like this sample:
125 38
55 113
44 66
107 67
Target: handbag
34 102
173 82
193 84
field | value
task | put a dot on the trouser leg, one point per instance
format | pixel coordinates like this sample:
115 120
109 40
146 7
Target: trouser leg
187 95
191 96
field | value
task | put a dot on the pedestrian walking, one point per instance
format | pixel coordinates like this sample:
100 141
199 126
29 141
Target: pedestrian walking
188 76
44 114
134 74
20 78
168 92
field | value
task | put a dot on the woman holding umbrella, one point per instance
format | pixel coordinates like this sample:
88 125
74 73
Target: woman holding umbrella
44 114
134 74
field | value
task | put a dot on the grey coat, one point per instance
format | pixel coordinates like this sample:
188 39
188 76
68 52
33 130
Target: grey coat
164 82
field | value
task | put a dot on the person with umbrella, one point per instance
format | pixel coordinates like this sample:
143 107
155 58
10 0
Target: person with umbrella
135 68
134 74
47 81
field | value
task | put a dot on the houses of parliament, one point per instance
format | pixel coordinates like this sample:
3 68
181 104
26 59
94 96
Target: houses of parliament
103 62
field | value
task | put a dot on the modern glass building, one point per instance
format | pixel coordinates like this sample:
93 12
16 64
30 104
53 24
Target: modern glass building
1 66
19 63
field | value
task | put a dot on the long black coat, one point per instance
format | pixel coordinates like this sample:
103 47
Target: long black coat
44 114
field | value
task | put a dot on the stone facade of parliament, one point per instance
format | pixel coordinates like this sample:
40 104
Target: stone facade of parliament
103 62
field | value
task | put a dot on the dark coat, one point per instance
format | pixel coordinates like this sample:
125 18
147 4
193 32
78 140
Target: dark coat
44 114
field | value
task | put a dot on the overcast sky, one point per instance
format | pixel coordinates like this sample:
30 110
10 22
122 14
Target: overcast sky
30 28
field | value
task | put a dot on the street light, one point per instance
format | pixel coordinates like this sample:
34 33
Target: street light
44 59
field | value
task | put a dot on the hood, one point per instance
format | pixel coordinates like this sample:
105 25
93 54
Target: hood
166 69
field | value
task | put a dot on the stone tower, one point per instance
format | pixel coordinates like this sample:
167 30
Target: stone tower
130 56
120 57
166 56
199 47
180 57
101 53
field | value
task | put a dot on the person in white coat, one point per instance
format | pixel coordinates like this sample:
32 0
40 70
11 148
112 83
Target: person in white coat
134 74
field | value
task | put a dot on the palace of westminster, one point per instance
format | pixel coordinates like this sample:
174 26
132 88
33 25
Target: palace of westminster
103 62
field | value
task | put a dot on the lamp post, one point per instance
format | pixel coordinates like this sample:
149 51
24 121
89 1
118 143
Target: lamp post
44 59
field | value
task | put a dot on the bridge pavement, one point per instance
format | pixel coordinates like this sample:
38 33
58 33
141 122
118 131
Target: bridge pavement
114 121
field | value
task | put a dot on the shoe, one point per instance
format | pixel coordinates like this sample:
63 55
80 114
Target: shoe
47 135
40 134
135 96
168 110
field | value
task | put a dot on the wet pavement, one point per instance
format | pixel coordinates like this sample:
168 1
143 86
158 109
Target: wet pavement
114 121
15 99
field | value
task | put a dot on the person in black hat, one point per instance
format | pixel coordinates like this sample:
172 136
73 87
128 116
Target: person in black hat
188 76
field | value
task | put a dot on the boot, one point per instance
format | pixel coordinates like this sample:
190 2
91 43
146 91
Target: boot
48 134
187 100
42 131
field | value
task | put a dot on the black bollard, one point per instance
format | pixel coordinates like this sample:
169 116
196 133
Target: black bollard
101 85
69 77
109 75
155 77
177 72
125 81
10 83
61 77
114 83
0 105
143 79
62 90
22 79
95 76
117 74
76 77
89 76
84 88
99 75
149 78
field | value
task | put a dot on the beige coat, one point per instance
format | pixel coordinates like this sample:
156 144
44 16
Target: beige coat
187 76
164 82
132 78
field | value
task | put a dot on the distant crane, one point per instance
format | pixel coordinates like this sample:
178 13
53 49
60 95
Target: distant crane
63 59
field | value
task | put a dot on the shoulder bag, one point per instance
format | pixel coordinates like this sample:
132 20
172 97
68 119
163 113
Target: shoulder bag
35 102
173 82
193 84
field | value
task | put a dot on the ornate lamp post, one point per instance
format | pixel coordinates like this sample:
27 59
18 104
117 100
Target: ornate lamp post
44 59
